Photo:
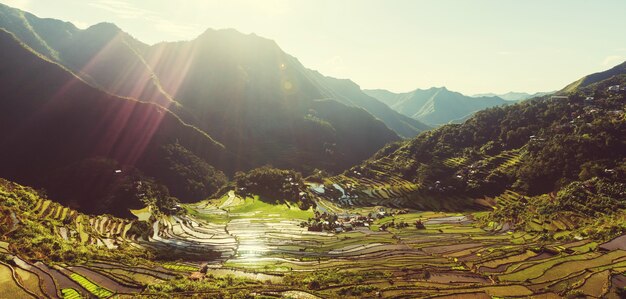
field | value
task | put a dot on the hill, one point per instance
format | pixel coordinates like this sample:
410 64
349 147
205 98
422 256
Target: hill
435 106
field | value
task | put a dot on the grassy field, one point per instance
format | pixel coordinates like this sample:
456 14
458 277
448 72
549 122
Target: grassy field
253 206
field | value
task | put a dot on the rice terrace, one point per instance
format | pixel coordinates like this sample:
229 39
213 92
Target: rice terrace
247 246
167 159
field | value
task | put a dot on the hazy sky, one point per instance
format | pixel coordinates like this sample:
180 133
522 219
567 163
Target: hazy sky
468 46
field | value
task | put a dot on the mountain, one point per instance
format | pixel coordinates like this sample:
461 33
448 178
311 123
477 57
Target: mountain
242 90
81 143
435 106
514 96
257 100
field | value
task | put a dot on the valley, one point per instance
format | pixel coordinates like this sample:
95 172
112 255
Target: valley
217 165
235 246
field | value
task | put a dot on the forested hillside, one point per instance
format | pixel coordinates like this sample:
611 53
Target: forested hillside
83 144
554 165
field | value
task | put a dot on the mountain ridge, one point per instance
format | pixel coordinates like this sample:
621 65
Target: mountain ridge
105 56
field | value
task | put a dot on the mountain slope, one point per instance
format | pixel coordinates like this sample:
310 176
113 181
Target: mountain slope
51 120
595 77
434 106
257 100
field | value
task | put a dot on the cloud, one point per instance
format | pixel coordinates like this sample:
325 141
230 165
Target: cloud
613 60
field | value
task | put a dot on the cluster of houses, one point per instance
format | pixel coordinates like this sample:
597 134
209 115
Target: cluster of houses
330 222
471 174
333 223
591 109
439 187
616 88
535 138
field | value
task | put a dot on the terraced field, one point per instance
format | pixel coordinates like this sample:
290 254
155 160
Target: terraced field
244 245
391 191
382 187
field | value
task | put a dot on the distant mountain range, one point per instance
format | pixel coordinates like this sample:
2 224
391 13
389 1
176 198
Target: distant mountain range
349 93
435 106
514 96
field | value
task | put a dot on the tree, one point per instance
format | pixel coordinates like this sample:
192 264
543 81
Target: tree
274 185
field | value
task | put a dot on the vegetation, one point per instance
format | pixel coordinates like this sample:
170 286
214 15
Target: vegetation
592 198
213 286
274 184
91 287
70 294
258 206
190 178
34 239
118 188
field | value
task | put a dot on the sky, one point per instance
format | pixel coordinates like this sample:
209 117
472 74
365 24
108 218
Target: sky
477 46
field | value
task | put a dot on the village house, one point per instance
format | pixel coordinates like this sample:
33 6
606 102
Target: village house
559 97
535 138
616 113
